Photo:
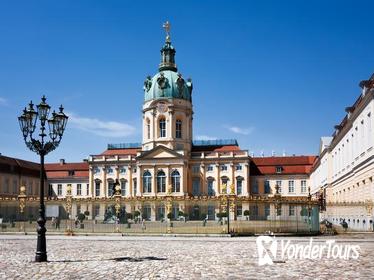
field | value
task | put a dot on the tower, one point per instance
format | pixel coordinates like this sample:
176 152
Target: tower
167 108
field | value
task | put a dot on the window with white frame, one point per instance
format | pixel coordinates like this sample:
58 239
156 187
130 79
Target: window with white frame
148 124
291 210
88 189
59 189
303 186
109 170
178 129
238 167
279 183
278 169
79 189
210 167
97 187
122 170
147 182
291 186
224 167
123 187
162 127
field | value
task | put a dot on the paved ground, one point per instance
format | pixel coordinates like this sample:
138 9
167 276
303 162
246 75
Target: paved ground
171 258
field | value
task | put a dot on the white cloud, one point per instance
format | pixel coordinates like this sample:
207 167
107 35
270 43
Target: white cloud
240 130
3 101
99 127
205 137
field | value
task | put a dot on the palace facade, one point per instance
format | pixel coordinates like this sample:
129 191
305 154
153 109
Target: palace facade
345 167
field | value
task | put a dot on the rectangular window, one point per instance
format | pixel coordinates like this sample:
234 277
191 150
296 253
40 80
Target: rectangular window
123 187
211 212
210 187
50 190
279 184
303 186
88 190
196 186
178 129
239 211
110 188
97 188
291 210
238 167
122 170
97 211
135 186
79 189
59 189
162 127
160 213
291 186
255 187
196 169
224 167
239 186
266 186
210 168
278 169
267 210
71 172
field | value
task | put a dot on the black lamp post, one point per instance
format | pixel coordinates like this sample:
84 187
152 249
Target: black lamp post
56 124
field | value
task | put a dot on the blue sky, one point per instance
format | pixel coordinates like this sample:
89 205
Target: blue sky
276 75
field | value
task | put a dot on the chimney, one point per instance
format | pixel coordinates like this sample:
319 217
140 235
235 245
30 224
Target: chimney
273 153
62 161
284 153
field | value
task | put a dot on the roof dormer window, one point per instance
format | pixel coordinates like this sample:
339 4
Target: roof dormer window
278 169
71 172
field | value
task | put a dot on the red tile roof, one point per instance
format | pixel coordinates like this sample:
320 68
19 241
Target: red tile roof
290 165
19 166
61 171
121 152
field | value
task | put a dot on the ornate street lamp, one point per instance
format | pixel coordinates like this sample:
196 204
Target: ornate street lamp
56 125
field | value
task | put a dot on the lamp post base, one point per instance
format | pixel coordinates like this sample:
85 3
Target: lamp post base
41 257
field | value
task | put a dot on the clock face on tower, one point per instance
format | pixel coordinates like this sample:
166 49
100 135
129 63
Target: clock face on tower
162 107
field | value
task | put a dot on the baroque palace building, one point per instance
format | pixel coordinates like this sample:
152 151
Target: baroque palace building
345 167
169 172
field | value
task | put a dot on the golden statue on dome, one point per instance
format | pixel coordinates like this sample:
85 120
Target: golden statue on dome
167 27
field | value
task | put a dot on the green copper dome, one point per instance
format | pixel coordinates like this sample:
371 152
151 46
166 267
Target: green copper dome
167 83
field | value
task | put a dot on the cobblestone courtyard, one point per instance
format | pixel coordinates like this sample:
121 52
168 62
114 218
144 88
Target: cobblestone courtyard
170 258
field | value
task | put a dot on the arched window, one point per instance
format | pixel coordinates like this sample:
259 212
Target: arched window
123 187
225 181
148 127
211 191
178 129
176 181
161 181
162 127
147 182
239 185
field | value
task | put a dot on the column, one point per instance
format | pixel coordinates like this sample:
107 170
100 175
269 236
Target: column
130 180
246 191
218 179
154 177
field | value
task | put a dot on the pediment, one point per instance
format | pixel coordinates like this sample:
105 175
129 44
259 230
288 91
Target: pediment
160 152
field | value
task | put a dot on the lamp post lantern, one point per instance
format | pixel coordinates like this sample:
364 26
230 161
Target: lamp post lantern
56 126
